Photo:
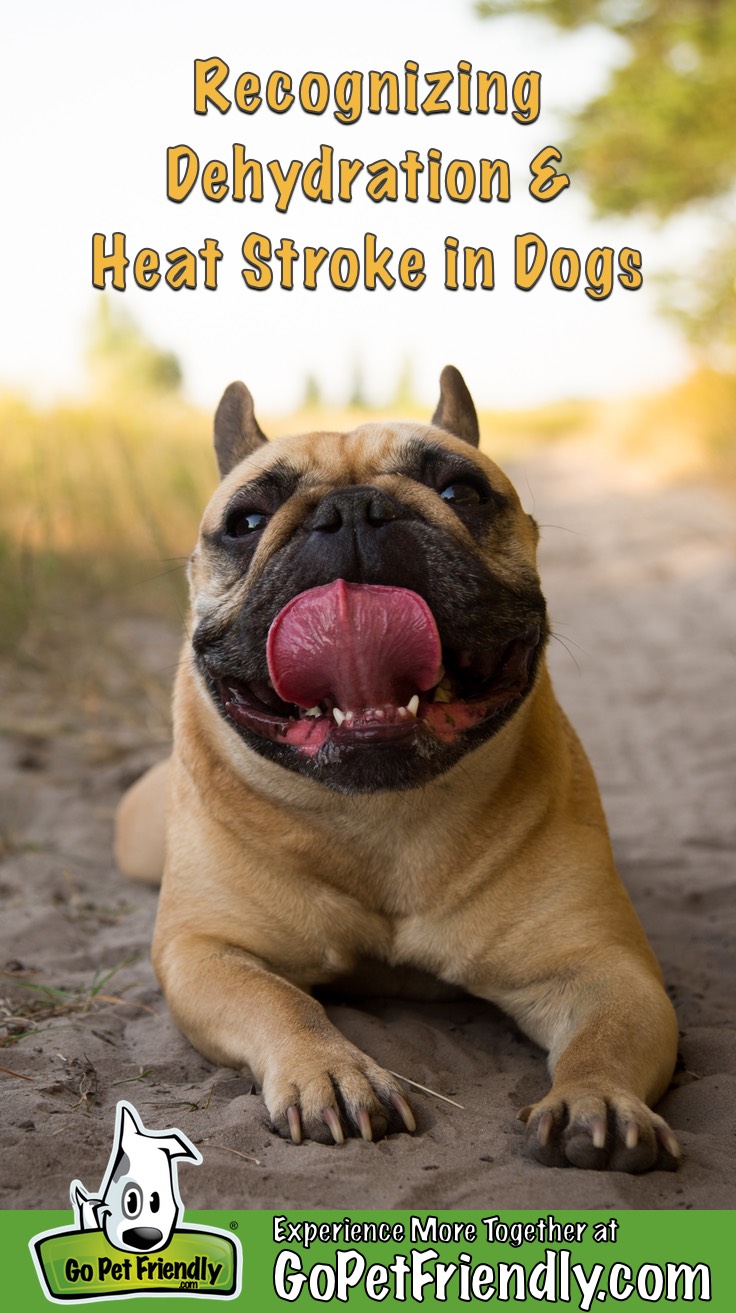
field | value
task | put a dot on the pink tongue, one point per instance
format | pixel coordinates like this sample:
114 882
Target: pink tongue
362 644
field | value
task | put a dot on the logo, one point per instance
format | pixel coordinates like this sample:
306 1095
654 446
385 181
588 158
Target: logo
129 1239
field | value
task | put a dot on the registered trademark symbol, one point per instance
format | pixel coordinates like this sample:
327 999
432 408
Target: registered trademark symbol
233 1226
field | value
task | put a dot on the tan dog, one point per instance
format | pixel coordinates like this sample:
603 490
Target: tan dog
370 773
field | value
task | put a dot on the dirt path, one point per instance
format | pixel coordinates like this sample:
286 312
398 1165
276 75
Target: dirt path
641 586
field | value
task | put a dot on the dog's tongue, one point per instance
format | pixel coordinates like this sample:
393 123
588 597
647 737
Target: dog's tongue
362 644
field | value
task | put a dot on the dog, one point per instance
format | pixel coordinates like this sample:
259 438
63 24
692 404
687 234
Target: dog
138 1204
371 780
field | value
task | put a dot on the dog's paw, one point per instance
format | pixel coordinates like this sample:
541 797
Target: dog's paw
337 1092
612 1131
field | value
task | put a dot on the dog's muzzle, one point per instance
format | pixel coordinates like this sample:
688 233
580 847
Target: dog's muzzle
362 663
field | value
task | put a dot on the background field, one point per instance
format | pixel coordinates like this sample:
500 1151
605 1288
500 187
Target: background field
100 501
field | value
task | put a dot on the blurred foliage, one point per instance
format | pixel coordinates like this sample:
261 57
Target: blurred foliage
360 394
312 398
357 397
404 397
660 137
122 360
662 133
706 310
99 506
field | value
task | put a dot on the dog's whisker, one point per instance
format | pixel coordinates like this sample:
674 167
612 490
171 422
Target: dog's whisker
562 528
564 643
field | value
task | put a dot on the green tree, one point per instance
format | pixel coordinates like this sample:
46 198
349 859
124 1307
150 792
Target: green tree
357 397
312 398
661 136
122 359
405 393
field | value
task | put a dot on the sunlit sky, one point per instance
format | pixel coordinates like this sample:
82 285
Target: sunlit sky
92 95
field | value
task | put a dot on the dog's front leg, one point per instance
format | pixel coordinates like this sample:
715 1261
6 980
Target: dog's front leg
611 1033
238 1012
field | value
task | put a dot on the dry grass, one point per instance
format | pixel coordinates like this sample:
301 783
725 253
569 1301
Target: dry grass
99 502
688 430
93 500
29 1007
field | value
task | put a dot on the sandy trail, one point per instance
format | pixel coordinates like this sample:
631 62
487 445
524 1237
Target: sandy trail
641 586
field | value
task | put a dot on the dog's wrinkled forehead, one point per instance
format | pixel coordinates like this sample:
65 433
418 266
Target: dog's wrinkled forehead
373 453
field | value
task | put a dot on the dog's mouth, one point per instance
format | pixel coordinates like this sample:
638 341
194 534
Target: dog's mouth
363 664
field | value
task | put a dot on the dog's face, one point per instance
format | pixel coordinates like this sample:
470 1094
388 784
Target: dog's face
366 605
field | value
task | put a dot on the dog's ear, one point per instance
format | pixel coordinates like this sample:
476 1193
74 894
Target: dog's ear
455 412
237 432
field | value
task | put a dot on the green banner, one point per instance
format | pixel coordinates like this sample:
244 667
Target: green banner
360 1260
78 1266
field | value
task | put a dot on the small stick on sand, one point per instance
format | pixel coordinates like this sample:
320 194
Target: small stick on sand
426 1089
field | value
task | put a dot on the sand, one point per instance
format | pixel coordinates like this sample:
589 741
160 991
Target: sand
641 586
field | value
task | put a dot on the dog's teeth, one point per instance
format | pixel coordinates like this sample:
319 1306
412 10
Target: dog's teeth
338 714
313 711
413 704
443 692
349 715
403 712
379 713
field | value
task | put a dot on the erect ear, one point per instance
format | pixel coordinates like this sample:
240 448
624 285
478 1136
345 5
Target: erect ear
130 1125
178 1146
237 433
455 412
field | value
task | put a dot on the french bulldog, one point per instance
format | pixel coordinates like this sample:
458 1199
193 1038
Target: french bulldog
372 780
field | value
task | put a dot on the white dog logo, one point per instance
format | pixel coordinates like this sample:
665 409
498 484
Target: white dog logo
138 1204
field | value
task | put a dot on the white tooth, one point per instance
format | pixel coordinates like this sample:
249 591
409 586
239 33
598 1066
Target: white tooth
403 712
379 713
349 715
413 704
313 711
338 714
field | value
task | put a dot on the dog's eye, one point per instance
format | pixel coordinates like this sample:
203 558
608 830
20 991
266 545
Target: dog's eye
241 523
461 494
132 1200
154 1202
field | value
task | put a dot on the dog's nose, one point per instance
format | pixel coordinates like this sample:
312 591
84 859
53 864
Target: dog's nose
362 534
351 507
142 1237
